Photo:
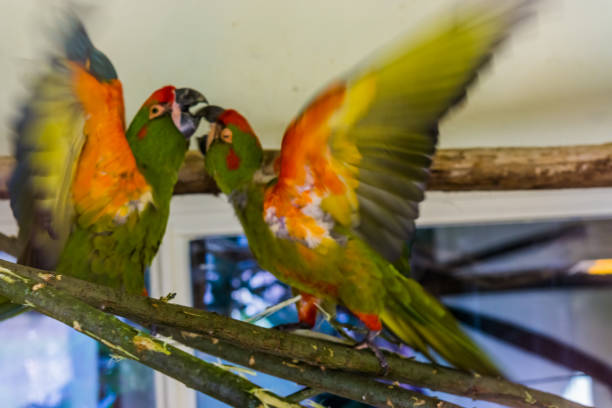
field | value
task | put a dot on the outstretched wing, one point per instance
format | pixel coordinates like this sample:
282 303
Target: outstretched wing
358 156
77 88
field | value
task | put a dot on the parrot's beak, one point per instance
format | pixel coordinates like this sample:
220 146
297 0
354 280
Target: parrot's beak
211 113
186 98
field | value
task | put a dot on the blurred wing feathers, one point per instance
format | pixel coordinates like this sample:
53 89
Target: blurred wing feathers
49 137
361 151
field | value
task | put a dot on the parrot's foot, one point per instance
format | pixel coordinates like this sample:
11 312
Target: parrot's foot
289 327
368 342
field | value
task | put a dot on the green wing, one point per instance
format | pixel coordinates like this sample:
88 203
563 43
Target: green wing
391 112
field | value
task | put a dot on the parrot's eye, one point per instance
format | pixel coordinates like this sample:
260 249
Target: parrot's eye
226 135
155 111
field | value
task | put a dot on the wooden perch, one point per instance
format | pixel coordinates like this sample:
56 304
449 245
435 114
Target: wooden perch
349 385
201 326
522 168
502 168
127 342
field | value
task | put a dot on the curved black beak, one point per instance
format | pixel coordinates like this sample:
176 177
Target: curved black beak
187 98
211 113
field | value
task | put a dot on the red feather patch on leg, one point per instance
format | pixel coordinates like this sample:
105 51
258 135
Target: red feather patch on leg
371 321
307 309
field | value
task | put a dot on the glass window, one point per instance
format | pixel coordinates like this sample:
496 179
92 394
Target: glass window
227 280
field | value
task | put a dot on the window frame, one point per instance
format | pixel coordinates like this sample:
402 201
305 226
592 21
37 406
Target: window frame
191 217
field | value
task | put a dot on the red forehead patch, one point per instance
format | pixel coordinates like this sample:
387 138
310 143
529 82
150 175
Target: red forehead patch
162 95
230 116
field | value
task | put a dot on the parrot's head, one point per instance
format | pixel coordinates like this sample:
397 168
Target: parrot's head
159 134
169 103
232 150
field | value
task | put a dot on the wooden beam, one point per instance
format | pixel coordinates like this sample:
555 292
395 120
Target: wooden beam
501 168
522 168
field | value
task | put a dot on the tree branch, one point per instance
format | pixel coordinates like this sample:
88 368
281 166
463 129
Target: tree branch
353 386
291 347
125 341
522 168
545 346
303 394
439 284
501 168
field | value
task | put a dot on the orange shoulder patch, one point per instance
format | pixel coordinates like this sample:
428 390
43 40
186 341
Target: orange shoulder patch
305 140
107 179
292 207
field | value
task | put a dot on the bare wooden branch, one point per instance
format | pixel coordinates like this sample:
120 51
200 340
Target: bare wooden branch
314 352
353 386
193 177
522 168
303 394
439 284
502 168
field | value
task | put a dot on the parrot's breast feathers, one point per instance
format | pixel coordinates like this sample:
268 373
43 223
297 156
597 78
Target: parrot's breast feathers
300 218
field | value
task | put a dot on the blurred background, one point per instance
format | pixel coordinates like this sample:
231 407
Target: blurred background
514 257
550 84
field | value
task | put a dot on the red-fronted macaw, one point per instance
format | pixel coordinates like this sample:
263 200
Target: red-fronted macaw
90 197
352 170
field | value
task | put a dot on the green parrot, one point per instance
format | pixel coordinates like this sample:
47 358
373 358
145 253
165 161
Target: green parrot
352 170
91 198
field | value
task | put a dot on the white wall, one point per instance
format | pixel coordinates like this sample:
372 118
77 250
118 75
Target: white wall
551 85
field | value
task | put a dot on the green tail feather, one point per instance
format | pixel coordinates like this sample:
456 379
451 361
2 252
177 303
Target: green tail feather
422 322
8 309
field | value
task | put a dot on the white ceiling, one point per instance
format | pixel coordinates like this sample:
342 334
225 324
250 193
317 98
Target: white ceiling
552 84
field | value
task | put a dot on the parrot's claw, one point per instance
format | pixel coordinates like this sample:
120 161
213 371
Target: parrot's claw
289 327
368 342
